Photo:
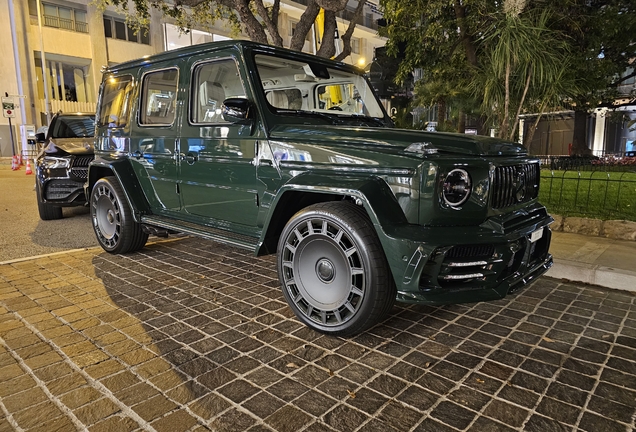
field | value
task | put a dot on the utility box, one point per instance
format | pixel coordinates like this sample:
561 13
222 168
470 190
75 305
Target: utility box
29 147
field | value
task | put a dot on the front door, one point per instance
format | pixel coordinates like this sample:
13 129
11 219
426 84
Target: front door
218 176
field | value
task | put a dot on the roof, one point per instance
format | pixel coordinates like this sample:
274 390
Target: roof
214 46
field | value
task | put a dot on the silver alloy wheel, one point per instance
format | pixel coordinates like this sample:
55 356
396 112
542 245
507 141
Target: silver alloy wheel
106 215
323 272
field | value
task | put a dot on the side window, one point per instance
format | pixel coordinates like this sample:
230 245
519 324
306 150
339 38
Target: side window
212 83
159 97
115 102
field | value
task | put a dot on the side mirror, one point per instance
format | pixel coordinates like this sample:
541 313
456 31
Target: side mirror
236 110
40 137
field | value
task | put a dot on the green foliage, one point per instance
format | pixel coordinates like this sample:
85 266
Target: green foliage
552 54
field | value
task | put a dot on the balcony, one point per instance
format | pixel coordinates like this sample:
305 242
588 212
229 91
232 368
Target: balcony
66 24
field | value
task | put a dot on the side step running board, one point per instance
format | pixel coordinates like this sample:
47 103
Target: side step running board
215 234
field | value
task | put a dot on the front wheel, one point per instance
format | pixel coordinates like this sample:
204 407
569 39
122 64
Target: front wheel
333 271
47 211
116 230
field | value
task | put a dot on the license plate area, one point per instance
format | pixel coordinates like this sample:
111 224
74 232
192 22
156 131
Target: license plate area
536 235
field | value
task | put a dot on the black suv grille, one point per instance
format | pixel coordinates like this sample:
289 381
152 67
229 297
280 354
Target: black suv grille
515 184
79 168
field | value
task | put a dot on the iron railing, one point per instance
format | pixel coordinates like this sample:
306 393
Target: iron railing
609 162
597 194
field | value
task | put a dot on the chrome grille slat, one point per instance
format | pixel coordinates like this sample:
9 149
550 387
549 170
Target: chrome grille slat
508 181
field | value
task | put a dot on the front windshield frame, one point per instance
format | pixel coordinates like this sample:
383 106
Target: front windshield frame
299 87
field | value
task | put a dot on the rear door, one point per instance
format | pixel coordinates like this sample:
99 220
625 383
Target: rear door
154 142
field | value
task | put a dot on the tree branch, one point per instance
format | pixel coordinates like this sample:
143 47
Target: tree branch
346 37
270 24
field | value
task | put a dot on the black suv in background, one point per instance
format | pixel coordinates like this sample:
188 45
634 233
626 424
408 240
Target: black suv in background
61 167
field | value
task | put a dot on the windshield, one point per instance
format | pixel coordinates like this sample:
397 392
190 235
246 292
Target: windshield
301 87
75 126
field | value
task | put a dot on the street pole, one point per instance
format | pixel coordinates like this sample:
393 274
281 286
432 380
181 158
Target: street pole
43 58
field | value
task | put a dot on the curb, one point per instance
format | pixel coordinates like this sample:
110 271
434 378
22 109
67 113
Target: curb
606 277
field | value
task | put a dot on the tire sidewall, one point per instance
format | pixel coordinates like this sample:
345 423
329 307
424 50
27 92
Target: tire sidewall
121 245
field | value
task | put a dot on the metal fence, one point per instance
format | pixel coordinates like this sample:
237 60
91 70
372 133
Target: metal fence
598 194
609 162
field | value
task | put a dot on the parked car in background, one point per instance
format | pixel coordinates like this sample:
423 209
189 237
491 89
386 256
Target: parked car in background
61 167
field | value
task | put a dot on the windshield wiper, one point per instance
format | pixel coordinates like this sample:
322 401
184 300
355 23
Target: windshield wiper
367 119
335 119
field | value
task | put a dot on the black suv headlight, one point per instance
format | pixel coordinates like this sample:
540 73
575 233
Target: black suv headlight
457 187
51 162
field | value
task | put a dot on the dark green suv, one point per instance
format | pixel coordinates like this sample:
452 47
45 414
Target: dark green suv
276 151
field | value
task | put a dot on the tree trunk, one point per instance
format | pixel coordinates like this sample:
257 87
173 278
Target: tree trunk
461 122
303 26
441 113
579 140
327 45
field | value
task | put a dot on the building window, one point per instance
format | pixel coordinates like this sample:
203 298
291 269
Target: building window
63 17
179 38
67 81
118 29
355 45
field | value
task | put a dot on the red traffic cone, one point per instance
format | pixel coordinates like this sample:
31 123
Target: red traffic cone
14 163
28 167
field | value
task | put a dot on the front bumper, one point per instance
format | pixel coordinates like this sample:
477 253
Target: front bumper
445 265
62 187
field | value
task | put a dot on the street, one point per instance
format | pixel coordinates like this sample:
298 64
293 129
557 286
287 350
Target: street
23 234
191 335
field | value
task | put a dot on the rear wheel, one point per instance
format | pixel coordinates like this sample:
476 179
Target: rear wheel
47 211
114 226
333 271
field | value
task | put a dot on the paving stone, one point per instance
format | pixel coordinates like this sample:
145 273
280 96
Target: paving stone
200 331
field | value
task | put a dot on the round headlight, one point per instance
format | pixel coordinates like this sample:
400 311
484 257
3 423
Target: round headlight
456 187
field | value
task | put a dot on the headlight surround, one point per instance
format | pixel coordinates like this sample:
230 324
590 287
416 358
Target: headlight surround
51 162
457 187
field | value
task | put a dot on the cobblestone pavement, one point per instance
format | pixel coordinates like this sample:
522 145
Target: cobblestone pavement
191 335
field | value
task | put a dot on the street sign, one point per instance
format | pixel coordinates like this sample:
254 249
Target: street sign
8 107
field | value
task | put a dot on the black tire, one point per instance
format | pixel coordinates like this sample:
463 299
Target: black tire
333 271
116 230
47 211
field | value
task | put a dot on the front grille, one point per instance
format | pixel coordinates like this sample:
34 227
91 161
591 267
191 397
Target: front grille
514 184
471 252
79 167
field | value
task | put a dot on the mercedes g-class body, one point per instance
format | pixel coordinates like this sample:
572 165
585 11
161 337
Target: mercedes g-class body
277 151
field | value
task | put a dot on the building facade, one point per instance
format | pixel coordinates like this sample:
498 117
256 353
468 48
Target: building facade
54 51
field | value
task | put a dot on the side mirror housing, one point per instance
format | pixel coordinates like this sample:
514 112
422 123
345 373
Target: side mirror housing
236 110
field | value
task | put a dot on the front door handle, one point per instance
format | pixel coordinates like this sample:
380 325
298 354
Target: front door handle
189 158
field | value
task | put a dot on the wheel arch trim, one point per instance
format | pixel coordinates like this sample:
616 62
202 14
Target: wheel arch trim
123 171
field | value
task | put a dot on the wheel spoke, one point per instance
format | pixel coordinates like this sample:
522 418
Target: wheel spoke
310 228
338 317
357 271
323 316
288 264
357 291
291 248
338 236
349 306
324 228
310 310
298 298
351 251
299 236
